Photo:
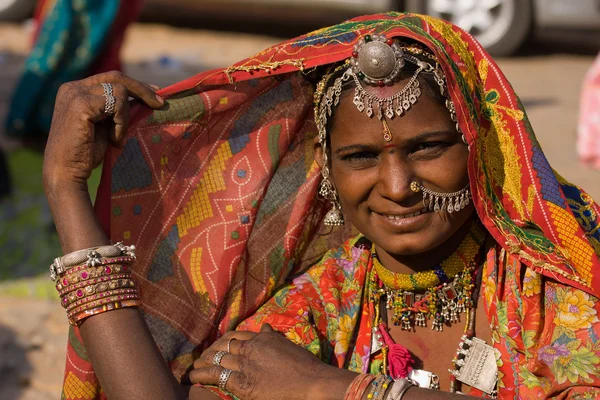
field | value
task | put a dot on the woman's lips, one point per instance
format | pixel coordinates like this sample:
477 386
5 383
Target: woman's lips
403 216
404 222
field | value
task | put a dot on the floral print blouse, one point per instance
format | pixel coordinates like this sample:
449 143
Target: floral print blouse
545 333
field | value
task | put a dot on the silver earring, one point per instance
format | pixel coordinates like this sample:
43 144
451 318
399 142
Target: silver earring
436 201
334 217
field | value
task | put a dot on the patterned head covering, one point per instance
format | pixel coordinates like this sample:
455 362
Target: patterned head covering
218 190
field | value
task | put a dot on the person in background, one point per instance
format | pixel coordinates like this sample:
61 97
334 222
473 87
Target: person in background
588 130
72 40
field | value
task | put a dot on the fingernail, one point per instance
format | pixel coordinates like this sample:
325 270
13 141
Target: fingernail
160 99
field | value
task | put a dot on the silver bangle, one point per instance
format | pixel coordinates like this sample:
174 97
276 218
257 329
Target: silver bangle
398 389
91 257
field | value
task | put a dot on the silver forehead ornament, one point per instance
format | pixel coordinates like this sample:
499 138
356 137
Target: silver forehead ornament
378 61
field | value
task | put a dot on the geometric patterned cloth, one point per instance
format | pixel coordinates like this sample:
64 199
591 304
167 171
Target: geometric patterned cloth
218 190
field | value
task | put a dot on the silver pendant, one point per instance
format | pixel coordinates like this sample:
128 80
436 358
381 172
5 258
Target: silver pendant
478 368
376 341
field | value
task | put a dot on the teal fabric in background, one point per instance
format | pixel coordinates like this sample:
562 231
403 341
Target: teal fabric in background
72 36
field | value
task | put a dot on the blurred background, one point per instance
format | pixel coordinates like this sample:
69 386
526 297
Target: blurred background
546 48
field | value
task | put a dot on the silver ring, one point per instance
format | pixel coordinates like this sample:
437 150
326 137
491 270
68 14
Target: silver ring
111 100
223 378
218 357
229 345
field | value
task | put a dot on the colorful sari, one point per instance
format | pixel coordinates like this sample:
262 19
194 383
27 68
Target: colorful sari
73 39
545 332
218 190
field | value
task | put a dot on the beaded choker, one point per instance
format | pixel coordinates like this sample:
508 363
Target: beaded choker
447 288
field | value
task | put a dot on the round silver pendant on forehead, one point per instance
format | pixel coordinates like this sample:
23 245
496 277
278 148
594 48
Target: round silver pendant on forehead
377 60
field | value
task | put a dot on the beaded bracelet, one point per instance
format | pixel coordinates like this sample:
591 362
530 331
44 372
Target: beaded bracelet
358 387
379 387
76 320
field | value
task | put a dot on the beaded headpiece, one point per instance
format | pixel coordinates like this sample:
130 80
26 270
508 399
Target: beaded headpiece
376 61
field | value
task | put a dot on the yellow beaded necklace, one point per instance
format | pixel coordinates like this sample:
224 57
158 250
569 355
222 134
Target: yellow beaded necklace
442 273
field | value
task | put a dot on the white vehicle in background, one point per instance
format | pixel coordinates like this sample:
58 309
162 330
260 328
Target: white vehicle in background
501 26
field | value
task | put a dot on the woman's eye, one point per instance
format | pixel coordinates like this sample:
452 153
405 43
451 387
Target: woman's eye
431 146
359 156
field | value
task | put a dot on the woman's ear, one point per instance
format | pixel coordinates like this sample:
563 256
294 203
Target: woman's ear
318 151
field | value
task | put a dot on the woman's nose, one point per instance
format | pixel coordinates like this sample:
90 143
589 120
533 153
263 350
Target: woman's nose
395 176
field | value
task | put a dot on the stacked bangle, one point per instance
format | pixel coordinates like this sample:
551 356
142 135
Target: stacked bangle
358 387
93 281
106 307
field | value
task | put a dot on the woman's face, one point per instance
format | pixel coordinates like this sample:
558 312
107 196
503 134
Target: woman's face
373 176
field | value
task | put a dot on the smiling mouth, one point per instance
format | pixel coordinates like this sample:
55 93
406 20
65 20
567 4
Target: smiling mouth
393 217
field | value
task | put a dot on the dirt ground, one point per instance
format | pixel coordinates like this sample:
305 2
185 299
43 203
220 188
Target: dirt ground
33 331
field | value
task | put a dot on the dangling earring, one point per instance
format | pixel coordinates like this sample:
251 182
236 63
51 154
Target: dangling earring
437 201
334 217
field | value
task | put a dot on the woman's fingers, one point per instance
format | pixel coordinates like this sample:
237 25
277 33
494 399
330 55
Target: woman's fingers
231 341
121 116
212 376
209 357
134 87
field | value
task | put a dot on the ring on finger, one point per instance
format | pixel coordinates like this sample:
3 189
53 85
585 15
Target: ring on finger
111 100
223 378
218 357
229 344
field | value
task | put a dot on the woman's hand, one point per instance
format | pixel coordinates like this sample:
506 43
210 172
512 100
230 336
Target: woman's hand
81 130
267 366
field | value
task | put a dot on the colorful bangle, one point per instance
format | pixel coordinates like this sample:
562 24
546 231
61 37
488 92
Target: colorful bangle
81 285
83 273
95 288
101 302
358 387
77 319
99 296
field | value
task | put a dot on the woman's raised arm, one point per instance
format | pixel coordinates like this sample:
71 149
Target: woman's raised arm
125 358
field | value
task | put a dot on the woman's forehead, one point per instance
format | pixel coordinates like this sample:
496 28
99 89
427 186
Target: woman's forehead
350 125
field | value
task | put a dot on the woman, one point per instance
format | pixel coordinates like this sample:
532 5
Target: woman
588 128
499 250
